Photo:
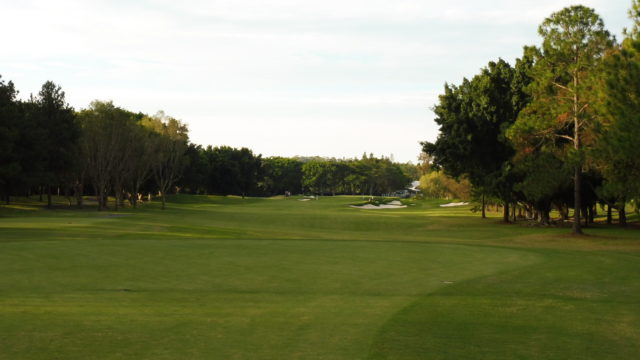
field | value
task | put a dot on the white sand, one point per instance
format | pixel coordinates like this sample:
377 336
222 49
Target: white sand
304 199
385 206
454 204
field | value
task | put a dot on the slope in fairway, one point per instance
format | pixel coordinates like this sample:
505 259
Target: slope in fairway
276 278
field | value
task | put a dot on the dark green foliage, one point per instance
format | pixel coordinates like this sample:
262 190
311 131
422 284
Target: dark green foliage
10 165
559 117
230 171
617 151
280 175
39 140
369 175
473 119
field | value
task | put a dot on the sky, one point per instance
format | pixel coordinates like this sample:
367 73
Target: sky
281 77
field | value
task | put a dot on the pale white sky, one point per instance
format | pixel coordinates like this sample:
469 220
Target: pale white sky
282 77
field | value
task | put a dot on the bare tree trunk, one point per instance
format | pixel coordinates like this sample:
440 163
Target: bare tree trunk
545 219
101 197
484 205
622 215
578 169
585 214
577 203
78 192
49 202
106 199
609 216
118 193
505 212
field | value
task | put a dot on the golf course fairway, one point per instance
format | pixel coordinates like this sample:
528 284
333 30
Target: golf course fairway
278 278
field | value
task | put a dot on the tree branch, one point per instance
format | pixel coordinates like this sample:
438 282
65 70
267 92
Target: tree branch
567 137
562 87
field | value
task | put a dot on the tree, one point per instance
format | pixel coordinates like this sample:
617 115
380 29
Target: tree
617 152
280 175
168 149
574 42
473 119
194 177
249 168
545 178
59 145
136 168
10 166
315 176
106 146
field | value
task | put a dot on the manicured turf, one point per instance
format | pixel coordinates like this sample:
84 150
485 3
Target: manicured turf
227 278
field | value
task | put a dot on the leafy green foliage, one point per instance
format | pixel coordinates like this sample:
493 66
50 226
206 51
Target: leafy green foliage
559 118
473 119
617 152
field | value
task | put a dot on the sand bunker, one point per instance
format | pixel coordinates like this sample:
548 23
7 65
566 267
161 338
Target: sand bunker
304 199
395 204
454 204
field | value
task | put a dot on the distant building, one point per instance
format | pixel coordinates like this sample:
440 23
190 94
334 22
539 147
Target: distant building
405 193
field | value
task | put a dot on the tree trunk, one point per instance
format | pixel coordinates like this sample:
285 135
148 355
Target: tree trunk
505 212
585 214
545 219
577 181
577 203
41 192
49 202
132 200
78 193
484 213
622 216
609 217
99 197
67 194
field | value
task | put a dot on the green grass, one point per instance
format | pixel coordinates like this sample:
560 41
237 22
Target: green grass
278 278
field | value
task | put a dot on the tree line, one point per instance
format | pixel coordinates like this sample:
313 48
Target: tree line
46 148
557 130
224 170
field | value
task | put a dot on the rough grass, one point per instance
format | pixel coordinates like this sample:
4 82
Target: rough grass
227 278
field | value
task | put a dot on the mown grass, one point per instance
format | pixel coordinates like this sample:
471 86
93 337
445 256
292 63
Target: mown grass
230 278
